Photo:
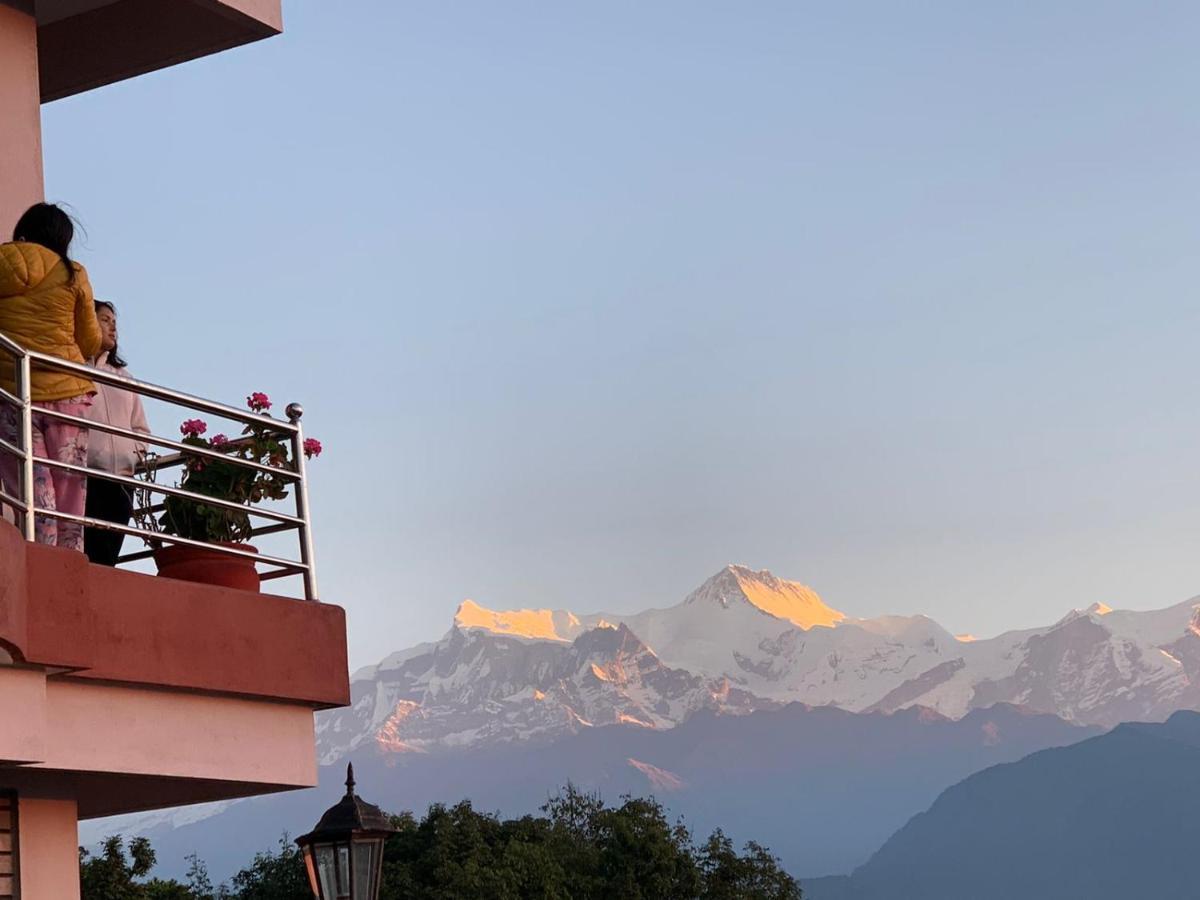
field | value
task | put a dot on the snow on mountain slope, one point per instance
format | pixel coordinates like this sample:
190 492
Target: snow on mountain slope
736 612
1095 666
1156 627
748 640
779 641
787 600
476 687
391 661
543 624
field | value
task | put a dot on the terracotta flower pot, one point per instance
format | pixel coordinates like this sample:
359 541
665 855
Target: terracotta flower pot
208 566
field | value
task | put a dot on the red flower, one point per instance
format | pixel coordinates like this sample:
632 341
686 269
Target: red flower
193 427
219 441
258 401
312 447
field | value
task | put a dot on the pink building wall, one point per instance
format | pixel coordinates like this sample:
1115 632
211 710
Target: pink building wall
112 728
48 847
111 746
269 12
23 699
20 113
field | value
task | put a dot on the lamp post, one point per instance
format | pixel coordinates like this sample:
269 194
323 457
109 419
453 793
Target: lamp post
344 853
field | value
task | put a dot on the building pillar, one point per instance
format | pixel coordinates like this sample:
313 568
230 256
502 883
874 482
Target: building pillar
48 847
20 112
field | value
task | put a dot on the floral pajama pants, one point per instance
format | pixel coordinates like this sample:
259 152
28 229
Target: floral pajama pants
54 489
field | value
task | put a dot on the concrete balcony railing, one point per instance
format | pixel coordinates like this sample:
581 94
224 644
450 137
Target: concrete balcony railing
127 692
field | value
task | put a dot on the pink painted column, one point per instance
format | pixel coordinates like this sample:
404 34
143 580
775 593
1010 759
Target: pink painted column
48 845
21 115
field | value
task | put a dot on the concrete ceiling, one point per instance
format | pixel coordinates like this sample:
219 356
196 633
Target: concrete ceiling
48 11
85 44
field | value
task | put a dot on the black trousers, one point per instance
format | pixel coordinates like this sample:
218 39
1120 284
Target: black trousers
111 502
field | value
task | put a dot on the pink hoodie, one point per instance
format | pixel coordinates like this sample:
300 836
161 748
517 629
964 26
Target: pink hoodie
114 406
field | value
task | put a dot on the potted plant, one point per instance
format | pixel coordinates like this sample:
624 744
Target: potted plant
195 520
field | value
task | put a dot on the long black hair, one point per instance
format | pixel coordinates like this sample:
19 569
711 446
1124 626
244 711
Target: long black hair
114 358
48 225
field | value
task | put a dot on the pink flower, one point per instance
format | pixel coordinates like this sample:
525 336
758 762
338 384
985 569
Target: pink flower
193 427
258 401
312 447
219 441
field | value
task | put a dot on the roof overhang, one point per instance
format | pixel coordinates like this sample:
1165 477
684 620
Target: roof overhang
85 44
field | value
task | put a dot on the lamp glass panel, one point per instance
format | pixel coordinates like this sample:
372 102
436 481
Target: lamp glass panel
311 868
327 871
366 863
343 870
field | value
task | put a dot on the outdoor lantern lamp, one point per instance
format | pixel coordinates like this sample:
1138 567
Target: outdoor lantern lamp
344 853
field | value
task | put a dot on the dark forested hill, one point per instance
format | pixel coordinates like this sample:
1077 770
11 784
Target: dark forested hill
1110 818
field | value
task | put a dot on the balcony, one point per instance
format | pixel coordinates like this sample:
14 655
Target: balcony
272 520
126 691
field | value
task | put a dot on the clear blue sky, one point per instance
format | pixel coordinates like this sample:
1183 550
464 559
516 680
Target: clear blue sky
588 300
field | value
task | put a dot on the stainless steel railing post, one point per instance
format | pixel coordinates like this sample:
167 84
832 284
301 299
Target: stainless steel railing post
294 413
26 395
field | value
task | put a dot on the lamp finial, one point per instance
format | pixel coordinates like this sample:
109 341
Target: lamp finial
350 778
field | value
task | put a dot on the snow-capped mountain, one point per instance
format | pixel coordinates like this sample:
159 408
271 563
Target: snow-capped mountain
478 686
747 640
776 639
1095 666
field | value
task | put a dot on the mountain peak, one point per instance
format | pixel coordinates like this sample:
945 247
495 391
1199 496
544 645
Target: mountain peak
537 624
788 600
1096 609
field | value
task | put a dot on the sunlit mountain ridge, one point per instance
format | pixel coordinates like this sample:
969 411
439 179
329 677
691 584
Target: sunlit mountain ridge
536 624
747 640
789 600
734 585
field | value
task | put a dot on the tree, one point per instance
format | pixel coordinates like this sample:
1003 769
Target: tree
754 876
198 883
114 876
272 876
579 849
642 855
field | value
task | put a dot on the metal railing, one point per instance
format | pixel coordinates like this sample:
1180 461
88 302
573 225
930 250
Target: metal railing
25 508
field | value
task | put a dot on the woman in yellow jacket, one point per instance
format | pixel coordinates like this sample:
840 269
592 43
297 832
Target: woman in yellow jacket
46 305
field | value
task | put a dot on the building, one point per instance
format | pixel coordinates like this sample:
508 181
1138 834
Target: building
122 691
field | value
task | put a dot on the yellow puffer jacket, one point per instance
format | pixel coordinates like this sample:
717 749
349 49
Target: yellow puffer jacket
41 310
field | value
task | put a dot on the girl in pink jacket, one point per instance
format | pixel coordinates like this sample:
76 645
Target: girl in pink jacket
112 405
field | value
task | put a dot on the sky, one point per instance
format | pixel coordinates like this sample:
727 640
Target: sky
586 301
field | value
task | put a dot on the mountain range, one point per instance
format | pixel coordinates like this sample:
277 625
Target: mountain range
746 641
752 705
